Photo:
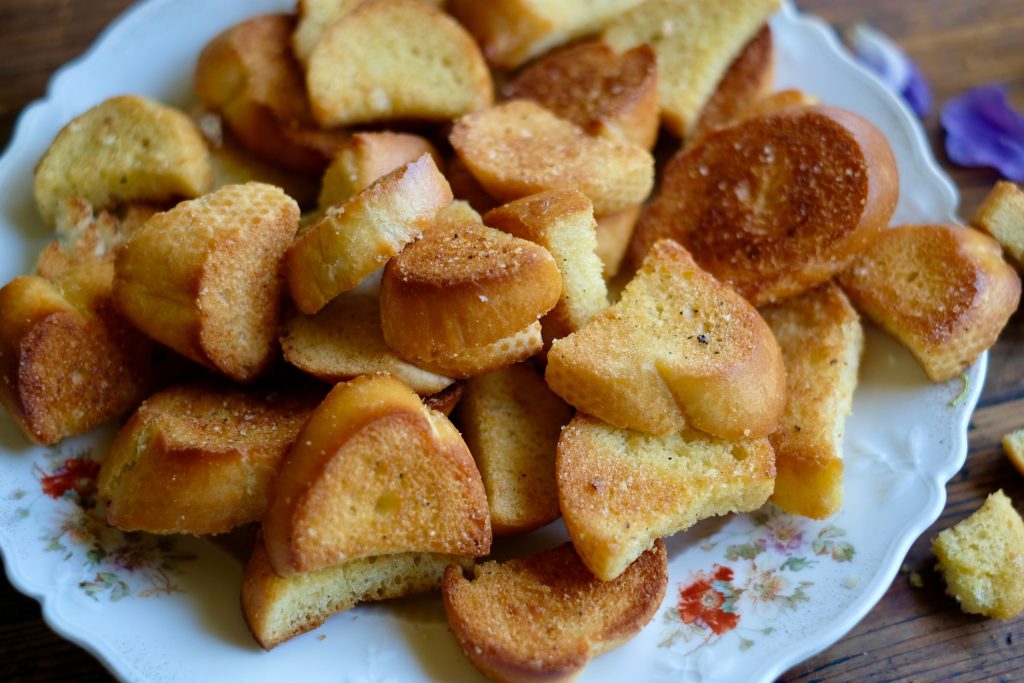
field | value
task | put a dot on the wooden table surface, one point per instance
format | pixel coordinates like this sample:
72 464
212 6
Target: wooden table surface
913 634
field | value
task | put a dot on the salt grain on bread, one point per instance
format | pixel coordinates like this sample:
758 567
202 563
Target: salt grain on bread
513 31
776 204
1002 216
511 422
543 618
621 490
200 458
562 222
821 339
358 237
203 277
374 472
982 559
601 91
466 298
696 41
278 608
359 71
519 148
943 290
125 149
747 79
678 349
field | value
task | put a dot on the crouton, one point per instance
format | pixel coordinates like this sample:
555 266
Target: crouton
614 233
748 79
779 101
1002 216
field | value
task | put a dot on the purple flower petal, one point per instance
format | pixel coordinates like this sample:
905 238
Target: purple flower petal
983 130
886 60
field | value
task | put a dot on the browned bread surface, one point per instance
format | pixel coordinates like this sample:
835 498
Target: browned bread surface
279 608
68 361
513 31
778 204
467 188
747 79
374 472
613 235
621 490
778 101
562 222
344 340
544 617
821 339
601 91
462 287
125 149
358 237
203 278
1002 216
249 74
981 558
396 59
511 422
447 400
943 290
679 348
200 458
519 148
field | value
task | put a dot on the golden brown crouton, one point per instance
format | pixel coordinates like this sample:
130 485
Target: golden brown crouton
374 472
358 237
621 490
126 149
545 617
778 101
467 188
519 148
943 290
821 340
396 59
748 79
601 91
778 204
200 458
1002 216
614 232
678 349
511 422
203 277
1013 446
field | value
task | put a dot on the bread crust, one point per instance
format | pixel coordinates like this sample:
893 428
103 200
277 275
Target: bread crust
747 79
614 233
777 204
571 618
374 472
1002 216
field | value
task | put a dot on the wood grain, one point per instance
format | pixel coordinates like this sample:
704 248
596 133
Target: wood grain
913 634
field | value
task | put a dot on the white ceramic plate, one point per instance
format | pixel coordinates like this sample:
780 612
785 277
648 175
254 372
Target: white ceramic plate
749 595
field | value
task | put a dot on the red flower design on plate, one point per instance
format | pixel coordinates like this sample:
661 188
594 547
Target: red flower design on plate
707 601
78 474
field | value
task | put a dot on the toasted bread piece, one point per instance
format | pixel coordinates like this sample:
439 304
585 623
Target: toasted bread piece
943 290
1002 216
696 41
358 237
545 617
778 204
601 91
981 557
613 235
513 31
367 157
360 69
278 608
748 79
561 221
821 340
779 101
511 422
484 358
125 149
68 362
375 472
1013 446
678 349
344 340
519 148
467 188
249 75
203 277
462 288
621 490
200 458
447 400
